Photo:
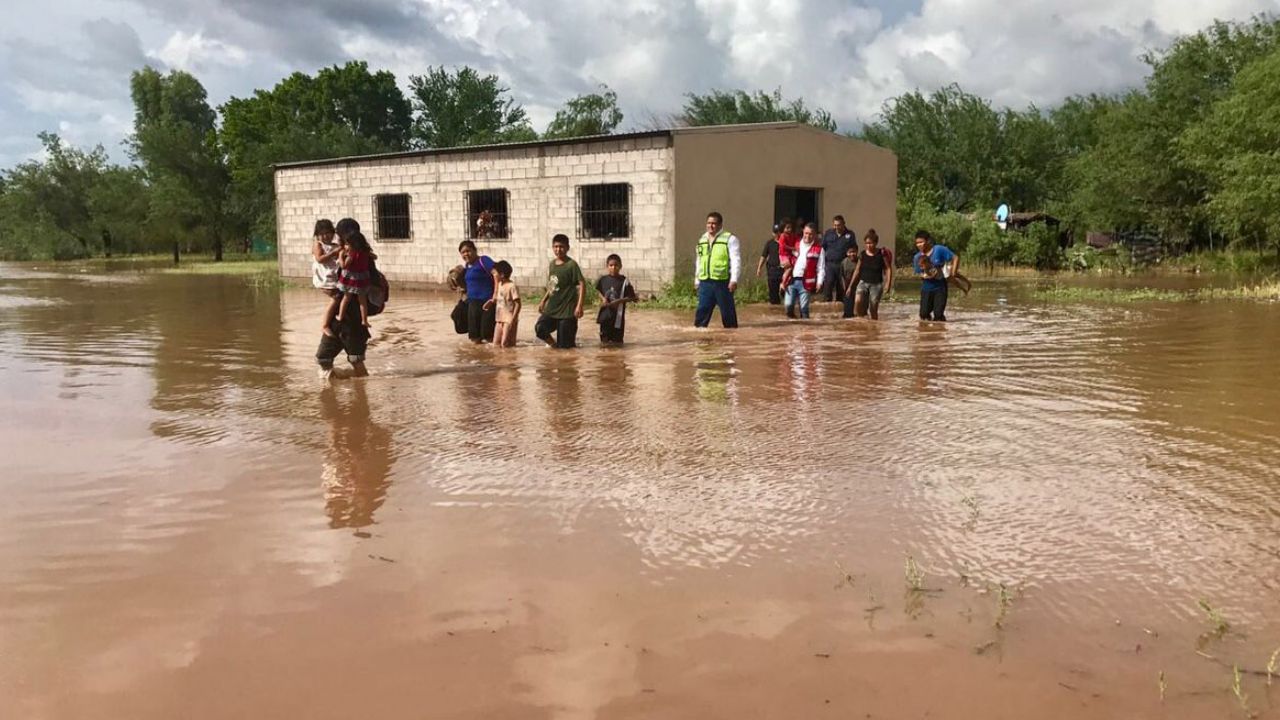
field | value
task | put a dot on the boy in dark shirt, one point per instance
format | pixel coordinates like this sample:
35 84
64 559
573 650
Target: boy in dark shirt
615 292
769 261
847 268
561 306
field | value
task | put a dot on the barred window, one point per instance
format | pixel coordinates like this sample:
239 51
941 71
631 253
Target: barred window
604 211
487 214
391 217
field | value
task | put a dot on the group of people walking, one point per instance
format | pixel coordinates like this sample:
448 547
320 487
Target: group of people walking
829 265
489 310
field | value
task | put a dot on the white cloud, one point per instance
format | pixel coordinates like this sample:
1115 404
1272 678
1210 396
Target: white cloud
194 52
848 56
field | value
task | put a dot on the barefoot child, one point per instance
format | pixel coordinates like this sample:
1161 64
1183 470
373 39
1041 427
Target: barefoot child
562 304
615 292
508 301
324 267
354 278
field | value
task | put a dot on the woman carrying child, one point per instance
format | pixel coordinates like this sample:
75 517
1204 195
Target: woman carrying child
508 301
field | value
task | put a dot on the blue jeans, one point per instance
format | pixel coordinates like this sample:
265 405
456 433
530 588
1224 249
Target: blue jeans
797 293
712 294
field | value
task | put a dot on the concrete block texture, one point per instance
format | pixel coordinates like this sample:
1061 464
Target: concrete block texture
541 187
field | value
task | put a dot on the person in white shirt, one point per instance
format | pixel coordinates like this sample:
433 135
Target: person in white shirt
808 276
715 273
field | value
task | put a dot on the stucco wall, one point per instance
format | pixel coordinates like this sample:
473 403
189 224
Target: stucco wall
735 170
541 181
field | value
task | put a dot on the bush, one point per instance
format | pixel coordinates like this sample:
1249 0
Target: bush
1037 246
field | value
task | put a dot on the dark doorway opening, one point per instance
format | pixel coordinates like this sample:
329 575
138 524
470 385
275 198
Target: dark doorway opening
792 203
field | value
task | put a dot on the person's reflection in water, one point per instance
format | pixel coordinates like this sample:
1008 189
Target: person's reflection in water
357 462
560 382
930 358
715 376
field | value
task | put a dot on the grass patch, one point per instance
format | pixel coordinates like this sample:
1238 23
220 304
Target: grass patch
681 294
1068 293
1268 291
209 267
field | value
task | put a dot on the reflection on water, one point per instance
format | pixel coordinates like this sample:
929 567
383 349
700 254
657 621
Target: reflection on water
357 458
689 494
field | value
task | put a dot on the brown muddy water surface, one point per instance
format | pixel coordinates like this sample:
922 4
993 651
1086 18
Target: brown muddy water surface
705 524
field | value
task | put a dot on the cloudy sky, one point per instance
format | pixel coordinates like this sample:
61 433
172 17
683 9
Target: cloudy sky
65 64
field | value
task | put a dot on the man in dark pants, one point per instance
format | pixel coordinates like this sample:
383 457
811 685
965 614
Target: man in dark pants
715 272
346 335
934 264
772 267
836 242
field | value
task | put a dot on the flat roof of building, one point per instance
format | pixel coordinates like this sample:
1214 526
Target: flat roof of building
459 149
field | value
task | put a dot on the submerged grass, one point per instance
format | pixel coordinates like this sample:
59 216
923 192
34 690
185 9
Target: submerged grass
1218 624
209 267
1268 290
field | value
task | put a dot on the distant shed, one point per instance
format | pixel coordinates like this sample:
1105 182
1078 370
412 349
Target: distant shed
642 195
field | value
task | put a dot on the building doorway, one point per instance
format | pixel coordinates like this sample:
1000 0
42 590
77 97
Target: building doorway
792 203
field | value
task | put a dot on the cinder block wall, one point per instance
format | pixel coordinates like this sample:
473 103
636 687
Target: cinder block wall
542 184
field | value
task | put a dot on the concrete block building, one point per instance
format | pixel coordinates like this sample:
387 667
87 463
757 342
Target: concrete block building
642 195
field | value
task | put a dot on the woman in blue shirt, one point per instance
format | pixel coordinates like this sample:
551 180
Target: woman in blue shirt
481 287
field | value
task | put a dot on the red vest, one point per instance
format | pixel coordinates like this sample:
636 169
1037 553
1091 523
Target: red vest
813 259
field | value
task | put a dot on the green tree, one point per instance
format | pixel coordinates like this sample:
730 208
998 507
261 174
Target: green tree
343 110
948 143
1133 175
591 114
732 107
59 207
175 142
1236 146
462 107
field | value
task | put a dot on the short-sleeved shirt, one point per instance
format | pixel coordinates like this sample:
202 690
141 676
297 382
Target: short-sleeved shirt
940 255
508 296
613 288
562 289
847 266
478 279
770 254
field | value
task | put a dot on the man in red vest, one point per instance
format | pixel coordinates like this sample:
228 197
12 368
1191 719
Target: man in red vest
808 276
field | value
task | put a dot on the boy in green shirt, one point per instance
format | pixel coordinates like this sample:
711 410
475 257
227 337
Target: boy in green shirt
561 305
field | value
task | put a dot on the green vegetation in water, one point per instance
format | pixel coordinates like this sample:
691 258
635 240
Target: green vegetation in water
681 294
1238 690
210 267
914 575
1218 625
1266 291
1004 600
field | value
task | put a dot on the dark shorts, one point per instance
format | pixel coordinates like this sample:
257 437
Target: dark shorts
564 329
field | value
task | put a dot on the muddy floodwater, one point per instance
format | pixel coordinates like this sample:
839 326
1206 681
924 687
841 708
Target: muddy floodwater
1036 511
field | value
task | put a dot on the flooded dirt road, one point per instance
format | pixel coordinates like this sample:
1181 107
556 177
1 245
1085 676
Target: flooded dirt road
1015 515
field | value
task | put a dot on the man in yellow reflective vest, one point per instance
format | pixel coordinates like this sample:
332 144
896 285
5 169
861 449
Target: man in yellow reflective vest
715 273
